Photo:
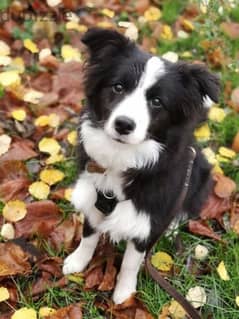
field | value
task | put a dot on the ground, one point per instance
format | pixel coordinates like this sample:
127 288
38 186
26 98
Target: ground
41 97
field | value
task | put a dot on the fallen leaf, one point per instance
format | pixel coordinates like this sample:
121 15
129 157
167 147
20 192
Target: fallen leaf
210 155
39 190
20 150
227 152
201 252
13 260
72 137
7 231
176 310
231 29
202 133
152 14
46 311
5 142
197 296
53 3
200 228
166 32
216 114
32 96
68 194
4 294
162 261
235 98
51 176
30 45
14 211
222 271
73 311
187 25
55 158
235 143
170 56
224 187
108 281
237 301
4 48
24 313
49 145
69 53
94 277
19 114
72 25
9 78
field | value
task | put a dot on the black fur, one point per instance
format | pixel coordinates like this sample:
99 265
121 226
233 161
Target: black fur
114 59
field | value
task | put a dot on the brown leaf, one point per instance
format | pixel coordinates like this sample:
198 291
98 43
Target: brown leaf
42 83
51 265
94 277
42 217
71 312
234 214
108 281
215 207
231 29
43 283
142 314
141 6
224 187
13 260
21 150
201 228
235 98
235 144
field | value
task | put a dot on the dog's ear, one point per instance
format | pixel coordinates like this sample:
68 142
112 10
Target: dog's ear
207 82
102 42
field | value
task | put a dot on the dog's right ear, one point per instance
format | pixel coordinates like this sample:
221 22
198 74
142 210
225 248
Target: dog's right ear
104 42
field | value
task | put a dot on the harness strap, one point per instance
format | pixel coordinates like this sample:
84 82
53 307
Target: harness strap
191 311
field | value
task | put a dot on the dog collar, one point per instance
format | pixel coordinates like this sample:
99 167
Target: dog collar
93 167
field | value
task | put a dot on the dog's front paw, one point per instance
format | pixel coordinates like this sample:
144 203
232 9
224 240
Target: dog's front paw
123 290
74 263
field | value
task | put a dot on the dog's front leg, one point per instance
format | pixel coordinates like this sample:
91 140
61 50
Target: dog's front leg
84 198
127 278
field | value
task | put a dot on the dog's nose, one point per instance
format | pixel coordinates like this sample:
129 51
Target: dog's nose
124 125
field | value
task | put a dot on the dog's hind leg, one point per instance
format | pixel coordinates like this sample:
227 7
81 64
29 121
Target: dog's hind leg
127 278
79 259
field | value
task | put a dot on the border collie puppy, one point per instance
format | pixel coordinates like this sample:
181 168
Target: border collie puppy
137 126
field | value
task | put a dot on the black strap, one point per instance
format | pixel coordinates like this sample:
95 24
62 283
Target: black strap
191 311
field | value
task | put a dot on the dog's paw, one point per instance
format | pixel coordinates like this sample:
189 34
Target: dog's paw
74 263
124 289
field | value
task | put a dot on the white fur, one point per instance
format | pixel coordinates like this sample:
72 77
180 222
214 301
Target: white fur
116 156
79 259
127 278
207 102
135 105
126 223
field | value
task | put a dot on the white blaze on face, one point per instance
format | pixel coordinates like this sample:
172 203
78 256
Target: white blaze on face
134 106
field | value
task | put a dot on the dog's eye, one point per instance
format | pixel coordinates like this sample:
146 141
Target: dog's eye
155 102
118 88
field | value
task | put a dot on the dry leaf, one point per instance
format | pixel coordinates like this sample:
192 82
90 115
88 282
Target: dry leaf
51 176
162 261
71 312
7 231
231 29
176 310
14 211
9 78
53 3
224 187
4 294
30 45
5 142
216 114
201 252
72 137
222 271
32 96
152 14
69 53
202 133
235 144
226 152
200 228
19 114
20 150
49 145
39 190
197 296
46 311
25 313
4 48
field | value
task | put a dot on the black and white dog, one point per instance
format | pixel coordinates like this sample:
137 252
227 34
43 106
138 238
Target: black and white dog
137 125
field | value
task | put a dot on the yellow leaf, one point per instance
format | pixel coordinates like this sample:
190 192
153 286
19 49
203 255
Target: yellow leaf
237 301
167 33
5 60
162 261
202 133
14 211
42 120
197 296
77 278
30 45
68 194
210 155
217 169
176 310
49 145
227 152
72 25
55 158
104 24
7 231
187 25
69 53
18 65
4 48
24 313
222 159
54 120
216 114
51 176
108 13
72 137
5 142
4 294
19 114
32 96
46 311
9 78
39 190
152 14
170 56
222 271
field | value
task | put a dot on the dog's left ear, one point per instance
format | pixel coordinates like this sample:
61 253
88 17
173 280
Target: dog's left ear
207 82
104 42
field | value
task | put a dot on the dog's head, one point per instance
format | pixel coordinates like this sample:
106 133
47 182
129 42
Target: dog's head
135 96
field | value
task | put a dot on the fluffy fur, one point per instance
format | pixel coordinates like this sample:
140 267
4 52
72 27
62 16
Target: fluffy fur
138 122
